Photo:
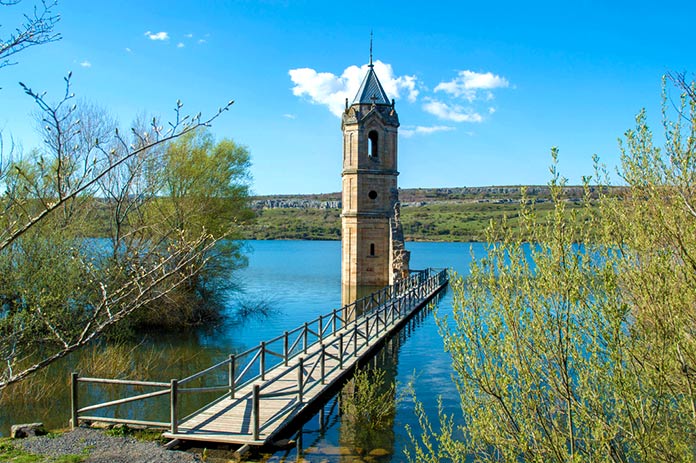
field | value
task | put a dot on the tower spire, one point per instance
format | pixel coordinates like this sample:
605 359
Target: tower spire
370 48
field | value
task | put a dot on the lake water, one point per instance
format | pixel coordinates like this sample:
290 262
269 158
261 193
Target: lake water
296 281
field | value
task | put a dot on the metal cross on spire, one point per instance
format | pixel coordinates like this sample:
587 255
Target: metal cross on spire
370 48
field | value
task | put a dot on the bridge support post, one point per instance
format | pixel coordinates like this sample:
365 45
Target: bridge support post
230 375
173 407
300 379
73 401
255 411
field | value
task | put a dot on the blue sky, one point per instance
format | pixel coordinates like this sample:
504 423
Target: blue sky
483 89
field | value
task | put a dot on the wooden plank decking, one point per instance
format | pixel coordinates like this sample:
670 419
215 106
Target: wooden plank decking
255 408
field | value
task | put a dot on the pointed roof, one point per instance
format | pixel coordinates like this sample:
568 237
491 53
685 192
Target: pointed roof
371 90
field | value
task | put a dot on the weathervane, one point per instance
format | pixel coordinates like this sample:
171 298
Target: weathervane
370 48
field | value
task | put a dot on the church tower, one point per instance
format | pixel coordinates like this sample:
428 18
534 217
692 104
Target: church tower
370 128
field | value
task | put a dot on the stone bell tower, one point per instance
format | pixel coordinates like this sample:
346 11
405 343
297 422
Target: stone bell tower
370 195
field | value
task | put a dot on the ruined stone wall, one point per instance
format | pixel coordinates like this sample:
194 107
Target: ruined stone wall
400 257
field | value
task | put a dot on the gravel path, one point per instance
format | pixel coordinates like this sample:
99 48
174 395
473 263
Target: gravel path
104 449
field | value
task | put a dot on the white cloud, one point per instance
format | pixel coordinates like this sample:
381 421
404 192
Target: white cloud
451 112
468 83
331 90
290 116
128 50
423 130
86 64
188 36
491 110
201 41
180 45
157 35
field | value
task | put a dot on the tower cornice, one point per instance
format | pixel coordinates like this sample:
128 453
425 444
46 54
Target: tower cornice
360 113
353 171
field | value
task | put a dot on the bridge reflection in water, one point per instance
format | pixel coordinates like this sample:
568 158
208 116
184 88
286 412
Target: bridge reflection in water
270 388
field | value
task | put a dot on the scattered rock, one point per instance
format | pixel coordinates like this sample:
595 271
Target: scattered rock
379 453
331 450
295 203
284 443
20 431
103 448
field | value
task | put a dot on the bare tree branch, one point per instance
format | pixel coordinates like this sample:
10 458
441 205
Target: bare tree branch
36 29
180 127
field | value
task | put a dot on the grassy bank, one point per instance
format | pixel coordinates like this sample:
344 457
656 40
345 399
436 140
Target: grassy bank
433 221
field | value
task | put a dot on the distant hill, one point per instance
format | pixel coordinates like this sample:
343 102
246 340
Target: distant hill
428 214
419 196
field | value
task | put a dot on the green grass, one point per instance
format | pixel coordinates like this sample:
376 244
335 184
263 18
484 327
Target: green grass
9 453
295 224
443 221
145 435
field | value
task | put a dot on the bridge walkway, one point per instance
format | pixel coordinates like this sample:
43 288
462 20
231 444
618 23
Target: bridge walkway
268 387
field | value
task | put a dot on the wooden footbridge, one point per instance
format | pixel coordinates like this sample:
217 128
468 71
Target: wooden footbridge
269 387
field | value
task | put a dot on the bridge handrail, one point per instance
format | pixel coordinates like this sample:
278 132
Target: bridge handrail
303 386
376 308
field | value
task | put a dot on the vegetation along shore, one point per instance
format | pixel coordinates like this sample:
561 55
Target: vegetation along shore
427 214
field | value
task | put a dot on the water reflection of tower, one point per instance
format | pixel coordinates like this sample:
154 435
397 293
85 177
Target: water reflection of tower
380 444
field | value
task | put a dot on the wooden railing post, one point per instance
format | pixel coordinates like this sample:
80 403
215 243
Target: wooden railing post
367 330
262 364
173 407
300 379
333 322
355 339
340 351
230 373
74 423
285 348
321 328
255 411
323 363
304 339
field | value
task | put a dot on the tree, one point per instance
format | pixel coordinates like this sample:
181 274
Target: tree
48 195
584 352
202 189
59 291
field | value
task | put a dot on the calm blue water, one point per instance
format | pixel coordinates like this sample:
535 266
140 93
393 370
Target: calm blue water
301 280
296 281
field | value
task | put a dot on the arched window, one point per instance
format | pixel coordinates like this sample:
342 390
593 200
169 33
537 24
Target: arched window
372 249
373 144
